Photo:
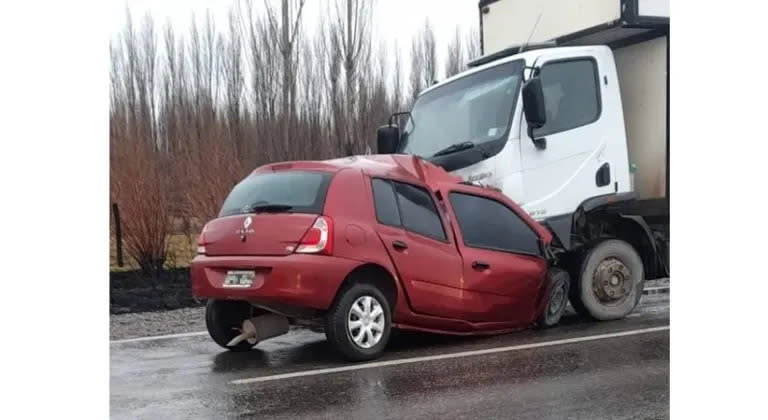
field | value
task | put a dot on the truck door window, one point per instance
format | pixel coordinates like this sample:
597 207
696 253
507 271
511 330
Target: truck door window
571 95
385 202
489 224
418 211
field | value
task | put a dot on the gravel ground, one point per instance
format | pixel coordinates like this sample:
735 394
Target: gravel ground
143 324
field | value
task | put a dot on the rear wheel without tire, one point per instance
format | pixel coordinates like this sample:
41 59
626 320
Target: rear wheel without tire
224 320
557 299
610 281
359 324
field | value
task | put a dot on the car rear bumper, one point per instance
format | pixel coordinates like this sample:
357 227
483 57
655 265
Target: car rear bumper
302 280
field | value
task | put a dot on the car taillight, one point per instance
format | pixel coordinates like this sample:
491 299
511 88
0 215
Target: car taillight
201 242
319 238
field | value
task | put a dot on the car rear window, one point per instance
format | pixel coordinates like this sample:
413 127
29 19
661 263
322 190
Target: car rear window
303 191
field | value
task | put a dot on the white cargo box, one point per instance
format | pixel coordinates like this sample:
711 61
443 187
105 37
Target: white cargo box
505 23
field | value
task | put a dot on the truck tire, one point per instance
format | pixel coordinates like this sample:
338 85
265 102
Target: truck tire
610 281
224 318
557 299
359 323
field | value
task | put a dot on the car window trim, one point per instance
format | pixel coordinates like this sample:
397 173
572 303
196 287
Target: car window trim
391 182
397 206
429 193
539 254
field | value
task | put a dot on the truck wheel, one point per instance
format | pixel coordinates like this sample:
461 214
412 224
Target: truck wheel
359 323
224 319
557 299
610 282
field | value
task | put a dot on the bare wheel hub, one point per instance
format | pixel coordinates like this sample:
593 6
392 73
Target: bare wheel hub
612 281
557 301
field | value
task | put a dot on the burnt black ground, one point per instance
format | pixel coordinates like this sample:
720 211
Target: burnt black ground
618 377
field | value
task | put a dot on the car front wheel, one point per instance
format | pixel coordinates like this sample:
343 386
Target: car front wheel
557 299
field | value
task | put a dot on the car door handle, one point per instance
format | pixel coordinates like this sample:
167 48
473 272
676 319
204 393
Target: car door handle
399 245
480 265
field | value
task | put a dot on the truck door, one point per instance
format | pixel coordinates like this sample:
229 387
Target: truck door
426 258
502 260
584 133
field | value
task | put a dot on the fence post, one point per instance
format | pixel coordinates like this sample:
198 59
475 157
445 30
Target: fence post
118 235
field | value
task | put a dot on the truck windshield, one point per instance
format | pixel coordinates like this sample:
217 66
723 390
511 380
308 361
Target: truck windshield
475 108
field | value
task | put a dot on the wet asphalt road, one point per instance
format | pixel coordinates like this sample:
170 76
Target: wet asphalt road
590 378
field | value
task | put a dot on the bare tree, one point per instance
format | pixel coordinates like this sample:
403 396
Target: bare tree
454 62
423 60
417 70
472 44
230 49
397 81
350 37
286 34
429 49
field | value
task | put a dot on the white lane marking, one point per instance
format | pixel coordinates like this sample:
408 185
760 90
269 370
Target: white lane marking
653 289
409 360
196 333
158 337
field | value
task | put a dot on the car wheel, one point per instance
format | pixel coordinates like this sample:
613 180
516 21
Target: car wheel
224 319
610 282
359 323
557 299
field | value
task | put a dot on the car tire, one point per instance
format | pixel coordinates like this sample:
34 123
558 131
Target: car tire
352 329
557 300
610 281
224 319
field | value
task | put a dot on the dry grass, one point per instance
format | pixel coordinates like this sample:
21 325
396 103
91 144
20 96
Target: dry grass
181 250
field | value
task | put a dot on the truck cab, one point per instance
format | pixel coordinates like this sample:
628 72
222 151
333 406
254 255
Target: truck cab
566 113
580 152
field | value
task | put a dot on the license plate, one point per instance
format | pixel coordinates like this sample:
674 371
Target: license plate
239 278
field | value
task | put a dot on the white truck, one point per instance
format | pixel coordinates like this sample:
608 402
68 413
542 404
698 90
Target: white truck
567 114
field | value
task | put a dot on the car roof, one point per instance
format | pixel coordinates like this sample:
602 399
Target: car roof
388 166
401 167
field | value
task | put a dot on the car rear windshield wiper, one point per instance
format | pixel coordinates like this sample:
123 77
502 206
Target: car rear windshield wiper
455 148
261 207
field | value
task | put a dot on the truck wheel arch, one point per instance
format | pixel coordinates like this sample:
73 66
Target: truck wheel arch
633 229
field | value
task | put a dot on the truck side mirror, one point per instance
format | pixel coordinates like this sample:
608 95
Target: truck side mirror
535 111
533 103
387 139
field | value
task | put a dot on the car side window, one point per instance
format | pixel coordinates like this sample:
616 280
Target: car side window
418 211
385 202
571 95
488 224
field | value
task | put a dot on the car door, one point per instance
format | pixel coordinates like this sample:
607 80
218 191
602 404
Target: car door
574 163
501 253
425 256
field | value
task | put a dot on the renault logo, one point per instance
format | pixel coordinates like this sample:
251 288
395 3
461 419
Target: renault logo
246 224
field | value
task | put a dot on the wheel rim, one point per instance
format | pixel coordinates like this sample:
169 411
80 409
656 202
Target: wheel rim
557 301
365 322
612 282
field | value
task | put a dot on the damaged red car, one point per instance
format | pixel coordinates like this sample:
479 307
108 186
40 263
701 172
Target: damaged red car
362 245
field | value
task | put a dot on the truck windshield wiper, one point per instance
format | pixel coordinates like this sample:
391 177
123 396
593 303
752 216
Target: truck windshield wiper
455 148
262 207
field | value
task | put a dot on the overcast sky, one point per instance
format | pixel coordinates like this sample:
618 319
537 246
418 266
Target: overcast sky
394 20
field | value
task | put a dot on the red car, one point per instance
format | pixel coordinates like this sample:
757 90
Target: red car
358 246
